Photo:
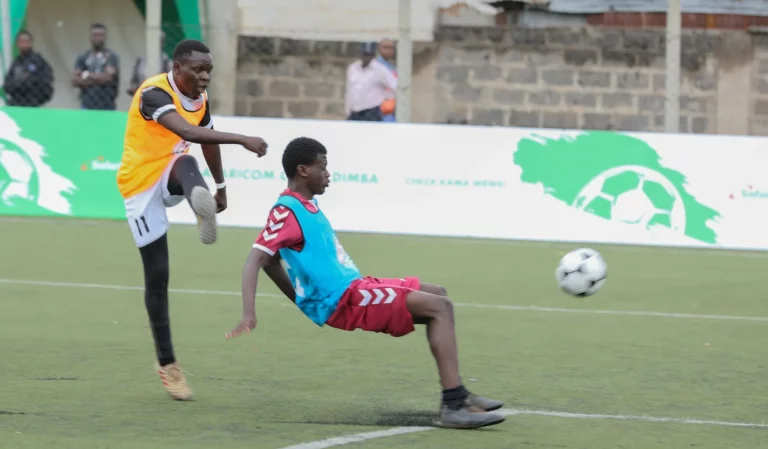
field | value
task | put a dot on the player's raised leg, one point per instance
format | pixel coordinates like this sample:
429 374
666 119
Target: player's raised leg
459 407
185 179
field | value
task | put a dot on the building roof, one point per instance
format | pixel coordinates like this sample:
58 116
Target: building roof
489 7
740 7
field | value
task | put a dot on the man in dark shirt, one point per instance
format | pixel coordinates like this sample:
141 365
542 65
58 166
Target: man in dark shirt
29 81
97 72
140 68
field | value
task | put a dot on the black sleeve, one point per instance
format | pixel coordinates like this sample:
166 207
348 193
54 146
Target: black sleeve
9 84
155 103
207 121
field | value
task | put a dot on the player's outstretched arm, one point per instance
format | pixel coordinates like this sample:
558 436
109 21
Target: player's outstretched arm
279 276
257 259
212 155
175 123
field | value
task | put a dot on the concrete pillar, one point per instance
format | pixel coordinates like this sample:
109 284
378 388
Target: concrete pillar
734 78
221 35
733 103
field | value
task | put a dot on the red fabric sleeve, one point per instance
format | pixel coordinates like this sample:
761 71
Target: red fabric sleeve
281 231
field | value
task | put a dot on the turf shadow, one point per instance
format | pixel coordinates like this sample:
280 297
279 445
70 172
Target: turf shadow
386 418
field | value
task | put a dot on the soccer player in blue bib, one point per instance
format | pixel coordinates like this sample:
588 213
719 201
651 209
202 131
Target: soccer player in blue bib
328 288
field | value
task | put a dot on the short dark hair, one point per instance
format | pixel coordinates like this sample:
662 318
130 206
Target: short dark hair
99 25
301 151
185 48
24 33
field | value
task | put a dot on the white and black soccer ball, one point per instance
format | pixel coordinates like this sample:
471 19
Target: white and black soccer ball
581 272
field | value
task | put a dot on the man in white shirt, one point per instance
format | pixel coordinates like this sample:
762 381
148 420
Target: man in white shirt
368 81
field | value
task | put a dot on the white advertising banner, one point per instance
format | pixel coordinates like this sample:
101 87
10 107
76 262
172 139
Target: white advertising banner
512 183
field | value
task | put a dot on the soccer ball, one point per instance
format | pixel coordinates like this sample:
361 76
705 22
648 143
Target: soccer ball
581 272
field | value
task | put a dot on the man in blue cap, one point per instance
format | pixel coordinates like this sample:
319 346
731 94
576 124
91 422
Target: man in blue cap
369 83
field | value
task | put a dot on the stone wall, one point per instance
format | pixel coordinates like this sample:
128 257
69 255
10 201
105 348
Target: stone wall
588 78
288 78
594 78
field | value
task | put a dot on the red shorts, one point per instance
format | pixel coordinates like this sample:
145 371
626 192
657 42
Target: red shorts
376 305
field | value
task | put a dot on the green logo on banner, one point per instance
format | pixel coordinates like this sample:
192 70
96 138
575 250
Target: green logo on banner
60 162
616 177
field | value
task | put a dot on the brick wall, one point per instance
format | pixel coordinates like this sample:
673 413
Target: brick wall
597 78
582 78
688 20
288 78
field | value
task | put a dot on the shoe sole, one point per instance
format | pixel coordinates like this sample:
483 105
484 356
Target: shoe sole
490 422
204 207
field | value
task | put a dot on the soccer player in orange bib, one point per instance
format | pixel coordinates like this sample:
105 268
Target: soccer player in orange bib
168 113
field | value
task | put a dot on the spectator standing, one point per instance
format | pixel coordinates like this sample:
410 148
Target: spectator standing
368 81
29 81
140 68
97 73
387 58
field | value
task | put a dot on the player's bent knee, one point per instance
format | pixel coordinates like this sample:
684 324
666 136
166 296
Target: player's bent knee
427 305
447 305
438 290
185 159
185 163
441 306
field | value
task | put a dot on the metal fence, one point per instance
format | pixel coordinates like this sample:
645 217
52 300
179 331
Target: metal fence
294 73
44 75
84 67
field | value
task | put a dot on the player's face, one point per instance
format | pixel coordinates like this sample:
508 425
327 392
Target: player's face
387 49
318 177
193 74
98 37
24 42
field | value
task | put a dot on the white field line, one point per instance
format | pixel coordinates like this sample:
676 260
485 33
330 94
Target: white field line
57 221
357 437
483 306
338 441
365 436
697 251
743 253
513 412
124 287
618 312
